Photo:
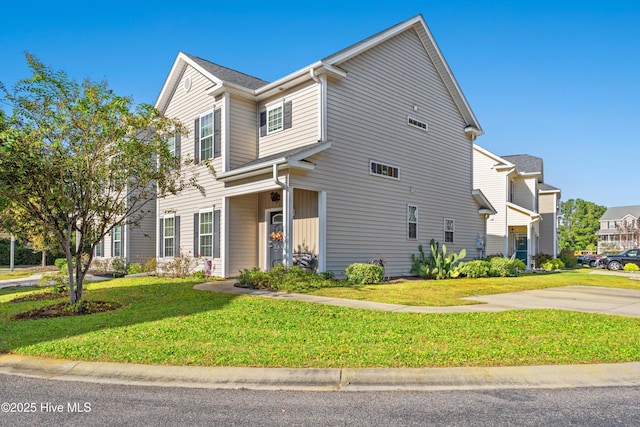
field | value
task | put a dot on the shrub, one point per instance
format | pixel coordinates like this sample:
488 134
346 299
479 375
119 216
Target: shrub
150 265
100 265
540 259
568 258
61 263
438 265
474 269
553 264
135 268
505 267
181 266
281 278
119 266
631 267
328 275
364 274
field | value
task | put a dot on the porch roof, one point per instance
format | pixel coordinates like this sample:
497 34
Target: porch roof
531 216
294 158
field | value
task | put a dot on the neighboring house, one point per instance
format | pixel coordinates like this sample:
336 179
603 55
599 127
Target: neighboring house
364 154
619 229
135 243
526 222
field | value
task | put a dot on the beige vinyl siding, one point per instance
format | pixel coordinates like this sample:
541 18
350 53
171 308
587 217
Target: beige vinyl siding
243 132
243 231
187 106
548 225
366 214
304 119
493 184
305 222
524 194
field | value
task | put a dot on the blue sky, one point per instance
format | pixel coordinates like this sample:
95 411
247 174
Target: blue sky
555 79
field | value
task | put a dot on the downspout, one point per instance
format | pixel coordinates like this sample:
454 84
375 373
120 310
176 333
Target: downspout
286 213
322 104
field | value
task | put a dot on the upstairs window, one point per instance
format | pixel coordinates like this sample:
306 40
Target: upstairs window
417 123
381 169
206 136
275 118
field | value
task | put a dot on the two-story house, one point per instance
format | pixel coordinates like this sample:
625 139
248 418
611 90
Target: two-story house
361 155
527 209
619 229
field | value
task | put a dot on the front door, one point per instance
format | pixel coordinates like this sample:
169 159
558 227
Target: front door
521 248
275 238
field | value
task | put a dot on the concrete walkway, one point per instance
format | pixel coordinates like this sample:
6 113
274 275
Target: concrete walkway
590 299
579 298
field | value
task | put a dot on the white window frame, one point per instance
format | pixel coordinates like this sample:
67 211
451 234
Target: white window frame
208 137
171 144
448 229
417 123
386 167
409 221
272 109
117 243
201 246
166 238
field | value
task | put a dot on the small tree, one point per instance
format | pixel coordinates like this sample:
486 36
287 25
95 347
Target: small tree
76 160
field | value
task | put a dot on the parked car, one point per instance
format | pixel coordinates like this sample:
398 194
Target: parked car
590 260
618 261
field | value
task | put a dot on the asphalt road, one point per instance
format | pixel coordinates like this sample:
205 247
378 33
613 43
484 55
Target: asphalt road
38 402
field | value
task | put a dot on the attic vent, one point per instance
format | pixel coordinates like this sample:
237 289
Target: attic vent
186 84
411 121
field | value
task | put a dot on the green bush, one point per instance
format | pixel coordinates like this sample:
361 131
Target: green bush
119 266
568 258
61 263
631 267
505 267
135 268
364 274
474 269
540 259
281 278
553 264
23 255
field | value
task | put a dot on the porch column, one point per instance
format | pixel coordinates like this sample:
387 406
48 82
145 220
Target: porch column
322 231
529 245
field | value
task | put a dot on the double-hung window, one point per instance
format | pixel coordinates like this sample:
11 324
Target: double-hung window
117 241
449 230
169 235
206 136
412 222
275 118
171 145
206 233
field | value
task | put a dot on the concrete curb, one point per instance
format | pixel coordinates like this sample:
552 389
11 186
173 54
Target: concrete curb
331 379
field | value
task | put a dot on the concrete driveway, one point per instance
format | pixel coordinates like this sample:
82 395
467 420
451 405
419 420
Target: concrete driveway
590 299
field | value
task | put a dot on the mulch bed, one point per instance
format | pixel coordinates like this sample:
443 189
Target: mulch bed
40 296
67 309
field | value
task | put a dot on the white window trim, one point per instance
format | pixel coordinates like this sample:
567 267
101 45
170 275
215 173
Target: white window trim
445 230
417 123
213 130
371 162
172 147
200 234
114 241
274 106
165 237
417 221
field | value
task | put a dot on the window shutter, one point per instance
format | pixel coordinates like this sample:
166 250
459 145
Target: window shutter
102 247
263 123
177 146
113 243
196 234
196 140
286 113
216 132
161 234
216 234
176 237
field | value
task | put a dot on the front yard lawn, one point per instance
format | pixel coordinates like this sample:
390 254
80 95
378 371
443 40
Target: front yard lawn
166 321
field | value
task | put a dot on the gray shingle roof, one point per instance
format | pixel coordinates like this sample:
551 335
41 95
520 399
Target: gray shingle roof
547 187
526 163
229 75
620 212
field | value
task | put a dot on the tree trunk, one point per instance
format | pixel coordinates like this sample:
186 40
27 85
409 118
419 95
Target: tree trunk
44 258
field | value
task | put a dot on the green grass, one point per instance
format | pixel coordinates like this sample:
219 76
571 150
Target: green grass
448 292
168 322
5 274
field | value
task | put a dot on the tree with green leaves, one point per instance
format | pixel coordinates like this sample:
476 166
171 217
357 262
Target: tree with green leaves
76 160
580 223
